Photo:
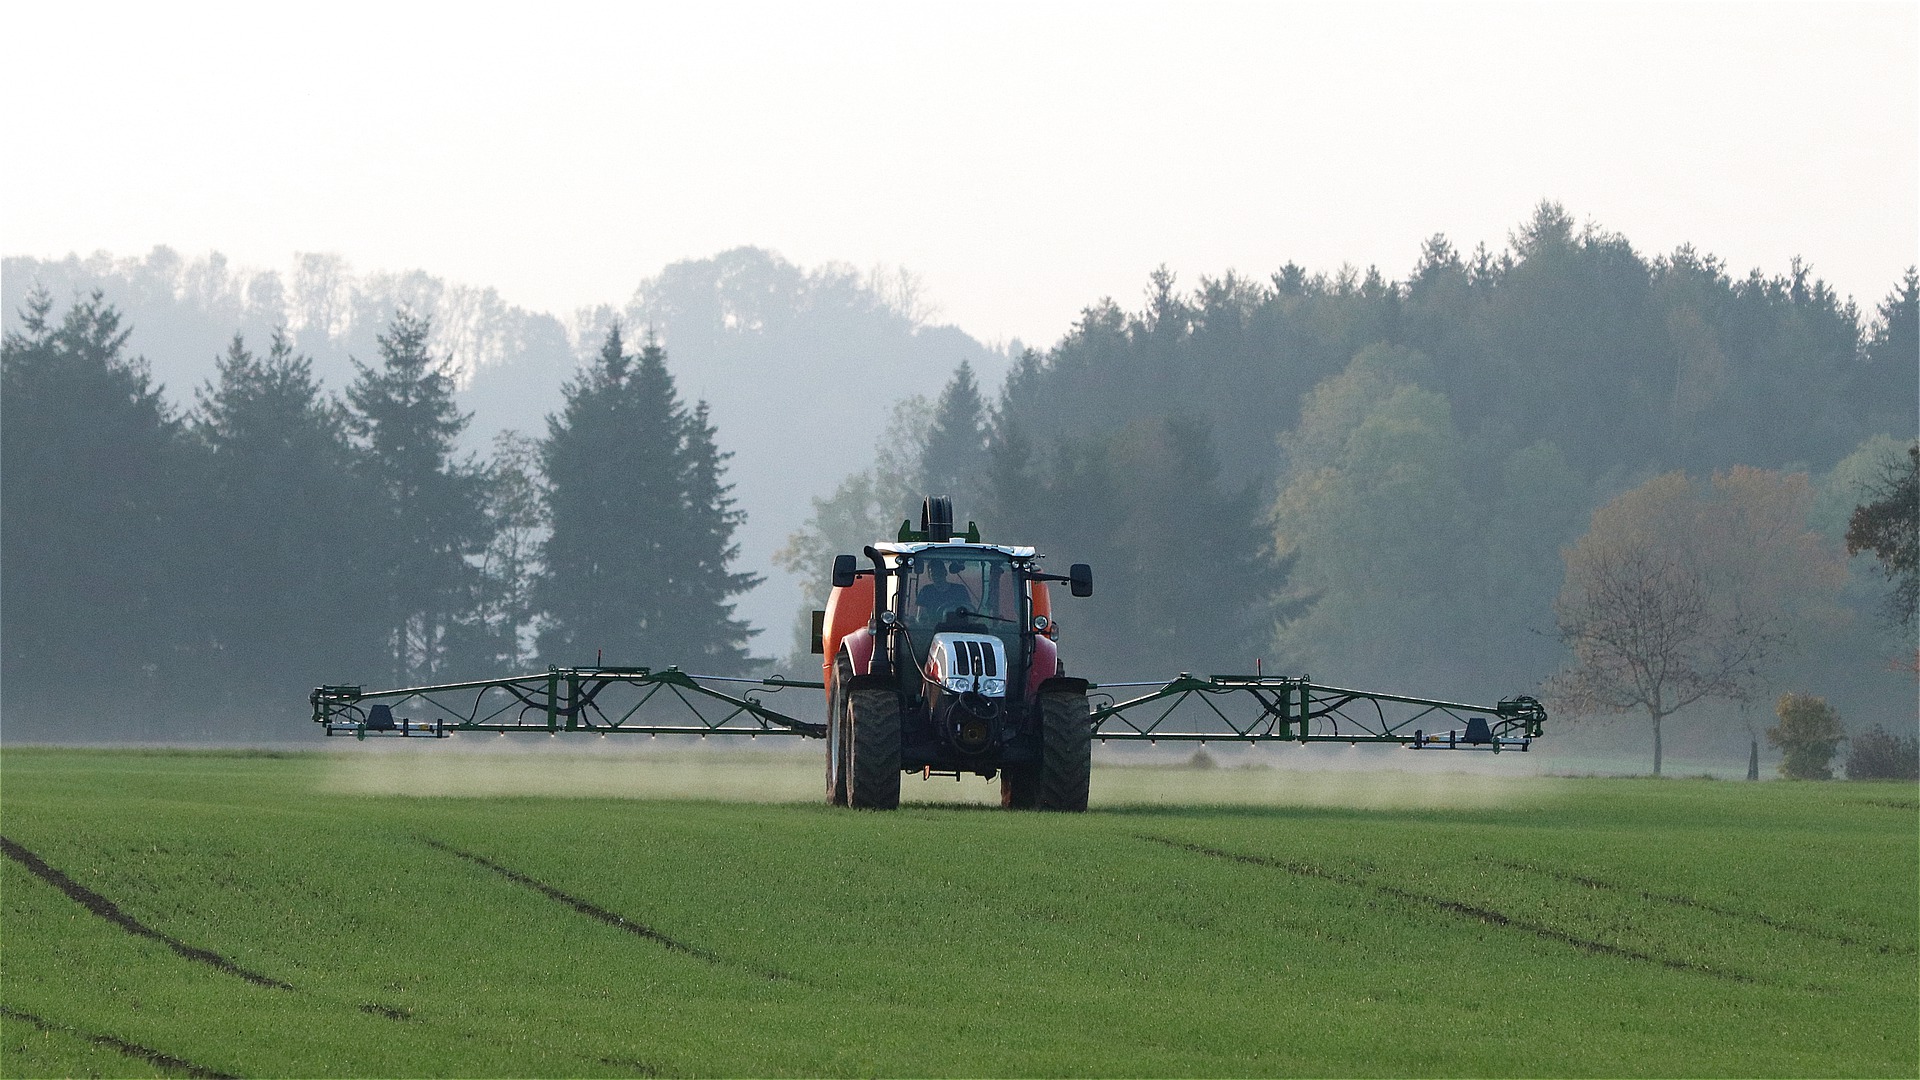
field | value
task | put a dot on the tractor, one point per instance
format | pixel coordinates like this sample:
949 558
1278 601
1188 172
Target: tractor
941 658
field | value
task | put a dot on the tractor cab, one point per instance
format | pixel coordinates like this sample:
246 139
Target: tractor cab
963 611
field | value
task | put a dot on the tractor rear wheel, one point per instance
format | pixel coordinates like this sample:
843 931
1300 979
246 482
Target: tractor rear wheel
837 737
873 742
1066 752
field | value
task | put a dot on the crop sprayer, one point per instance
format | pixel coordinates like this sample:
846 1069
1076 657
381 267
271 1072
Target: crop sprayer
940 657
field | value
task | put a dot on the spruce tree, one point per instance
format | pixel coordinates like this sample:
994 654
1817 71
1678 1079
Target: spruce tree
955 461
712 637
96 560
635 568
428 515
284 501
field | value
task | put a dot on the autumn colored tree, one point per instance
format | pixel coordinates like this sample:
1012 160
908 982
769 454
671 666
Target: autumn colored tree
1676 594
1809 732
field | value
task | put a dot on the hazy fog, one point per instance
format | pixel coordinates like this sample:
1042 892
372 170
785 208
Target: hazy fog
1021 158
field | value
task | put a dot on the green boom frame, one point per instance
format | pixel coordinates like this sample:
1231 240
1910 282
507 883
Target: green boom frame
642 701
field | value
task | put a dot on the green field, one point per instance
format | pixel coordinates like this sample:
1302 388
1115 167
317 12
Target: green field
304 914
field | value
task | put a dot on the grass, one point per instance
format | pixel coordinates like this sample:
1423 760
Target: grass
1277 924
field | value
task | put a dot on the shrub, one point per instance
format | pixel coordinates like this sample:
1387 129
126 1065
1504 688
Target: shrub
1879 754
1809 732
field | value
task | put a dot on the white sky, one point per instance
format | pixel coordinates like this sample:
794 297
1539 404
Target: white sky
1024 159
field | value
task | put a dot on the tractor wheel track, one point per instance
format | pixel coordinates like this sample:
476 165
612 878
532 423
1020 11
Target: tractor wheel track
1458 907
130 1049
1677 900
110 911
596 912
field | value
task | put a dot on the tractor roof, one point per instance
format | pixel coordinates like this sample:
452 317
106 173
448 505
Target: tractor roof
915 549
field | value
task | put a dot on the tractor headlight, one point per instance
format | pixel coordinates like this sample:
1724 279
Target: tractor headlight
993 688
1040 624
959 684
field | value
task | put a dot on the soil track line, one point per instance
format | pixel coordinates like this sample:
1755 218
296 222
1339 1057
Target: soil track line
111 912
1699 905
1456 907
132 1050
594 911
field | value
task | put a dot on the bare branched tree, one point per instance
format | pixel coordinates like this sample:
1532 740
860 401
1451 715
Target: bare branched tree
1681 592
1648 632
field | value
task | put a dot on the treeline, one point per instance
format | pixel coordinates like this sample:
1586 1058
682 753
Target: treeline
1373 481
758 338
165 574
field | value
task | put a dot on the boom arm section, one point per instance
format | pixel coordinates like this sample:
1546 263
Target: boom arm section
1256 708
606 700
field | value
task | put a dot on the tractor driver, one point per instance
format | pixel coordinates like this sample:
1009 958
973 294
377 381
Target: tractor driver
940 596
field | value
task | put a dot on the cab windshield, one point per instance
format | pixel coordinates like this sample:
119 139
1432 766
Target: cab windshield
960 590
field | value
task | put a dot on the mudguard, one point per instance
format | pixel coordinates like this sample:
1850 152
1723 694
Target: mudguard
1046 661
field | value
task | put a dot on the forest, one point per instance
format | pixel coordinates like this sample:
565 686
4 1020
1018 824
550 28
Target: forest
1405 483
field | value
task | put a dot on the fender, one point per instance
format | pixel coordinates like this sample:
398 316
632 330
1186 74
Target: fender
1046 661
858 649
849 610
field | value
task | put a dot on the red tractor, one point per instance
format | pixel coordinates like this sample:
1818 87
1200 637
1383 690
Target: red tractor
941 658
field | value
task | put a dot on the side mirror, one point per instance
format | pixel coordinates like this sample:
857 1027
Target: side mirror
1080 579
843 567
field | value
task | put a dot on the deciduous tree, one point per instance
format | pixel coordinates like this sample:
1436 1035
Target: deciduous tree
517 520
1879 754
1674 595
1809 732
1889 526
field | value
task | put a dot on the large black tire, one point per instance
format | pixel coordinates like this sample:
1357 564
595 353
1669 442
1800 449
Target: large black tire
873 768
1066 752
837 737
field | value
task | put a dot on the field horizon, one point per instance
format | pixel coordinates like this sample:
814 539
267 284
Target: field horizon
205 912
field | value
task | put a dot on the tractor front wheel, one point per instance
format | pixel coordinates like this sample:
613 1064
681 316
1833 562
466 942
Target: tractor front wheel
1066 752
873 742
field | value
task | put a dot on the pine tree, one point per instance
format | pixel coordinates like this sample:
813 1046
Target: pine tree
284 498
429 513
96 562
635 568
955 461
710 633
